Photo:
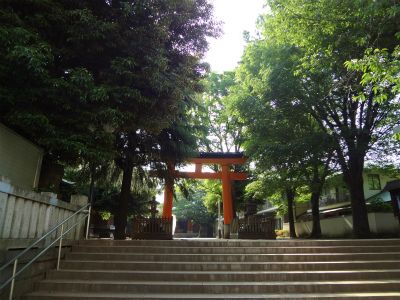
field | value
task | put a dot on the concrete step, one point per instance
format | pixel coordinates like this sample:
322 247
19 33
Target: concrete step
223 276
231 266
242 243
298 257
226 269
199 287
236 250
152 296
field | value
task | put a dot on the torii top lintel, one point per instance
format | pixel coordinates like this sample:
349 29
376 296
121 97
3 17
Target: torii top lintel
220 158
224 160
219 161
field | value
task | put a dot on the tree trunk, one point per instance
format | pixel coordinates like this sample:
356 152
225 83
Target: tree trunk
120 218
290 200
354 181
316 188
316 224
358 206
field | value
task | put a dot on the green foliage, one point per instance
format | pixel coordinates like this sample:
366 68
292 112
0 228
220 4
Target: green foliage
108 185
72 70
268 187
288 147
97 81
51 100
260 191
106 201
332 38
192 207
105 215
212 190
223 129
353 109
299 102
219 129
380 72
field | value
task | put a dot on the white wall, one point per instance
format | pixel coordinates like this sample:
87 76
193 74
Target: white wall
341 226
383 179
20 160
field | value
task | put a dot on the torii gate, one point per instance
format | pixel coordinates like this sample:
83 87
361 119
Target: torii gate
225 160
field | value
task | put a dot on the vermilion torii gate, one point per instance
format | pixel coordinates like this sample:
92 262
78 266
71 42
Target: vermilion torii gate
225 160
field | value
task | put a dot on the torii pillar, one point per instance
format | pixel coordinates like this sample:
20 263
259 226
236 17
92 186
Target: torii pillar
225 160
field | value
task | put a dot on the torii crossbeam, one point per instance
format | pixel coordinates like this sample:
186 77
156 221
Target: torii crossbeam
225 160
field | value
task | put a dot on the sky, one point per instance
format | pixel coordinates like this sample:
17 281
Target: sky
237 16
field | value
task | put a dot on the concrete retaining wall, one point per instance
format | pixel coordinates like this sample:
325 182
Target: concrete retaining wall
341 226
25 216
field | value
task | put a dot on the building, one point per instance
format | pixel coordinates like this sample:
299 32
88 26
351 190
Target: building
382 194
20 159
336 194
335 207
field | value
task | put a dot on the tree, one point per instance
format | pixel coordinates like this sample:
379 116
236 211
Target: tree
223 129
380 72
183 27
212 190
193 208
221 132
289 149
46 95
328 34
80 67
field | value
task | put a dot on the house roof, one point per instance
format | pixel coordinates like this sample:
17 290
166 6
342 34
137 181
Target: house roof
392 185
271 209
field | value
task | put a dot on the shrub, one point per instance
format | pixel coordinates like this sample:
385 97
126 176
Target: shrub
282 233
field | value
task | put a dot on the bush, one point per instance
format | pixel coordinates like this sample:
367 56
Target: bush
282 233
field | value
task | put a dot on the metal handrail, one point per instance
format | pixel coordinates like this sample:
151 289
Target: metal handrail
14 261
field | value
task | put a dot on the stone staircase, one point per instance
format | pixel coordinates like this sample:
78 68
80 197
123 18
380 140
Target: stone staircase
226 269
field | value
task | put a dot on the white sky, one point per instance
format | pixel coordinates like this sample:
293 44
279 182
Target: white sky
237 16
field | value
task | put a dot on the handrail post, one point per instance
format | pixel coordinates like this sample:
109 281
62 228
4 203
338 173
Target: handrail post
14 261
59 247
88 223
13 280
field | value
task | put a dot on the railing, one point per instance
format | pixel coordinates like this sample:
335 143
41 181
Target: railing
85 209
152 228
257 227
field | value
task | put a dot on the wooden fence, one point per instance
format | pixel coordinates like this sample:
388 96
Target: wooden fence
152 228
257 227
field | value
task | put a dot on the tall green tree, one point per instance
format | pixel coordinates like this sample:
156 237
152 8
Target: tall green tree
182 28
223 130
283 140
72 69
48 93
328 34
192 208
